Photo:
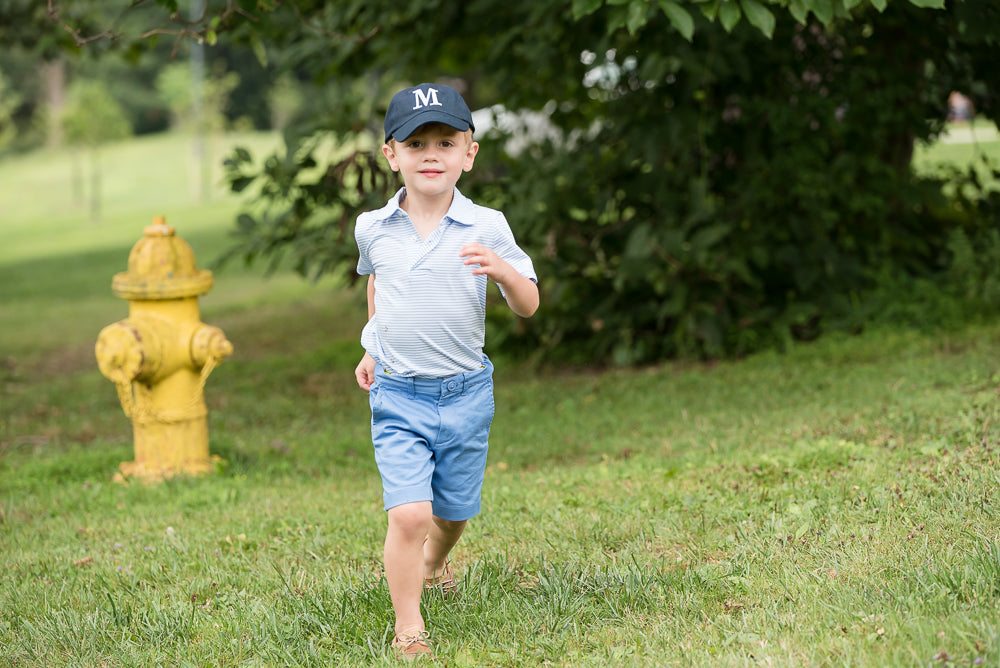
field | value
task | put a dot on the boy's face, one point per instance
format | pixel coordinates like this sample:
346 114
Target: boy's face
432 159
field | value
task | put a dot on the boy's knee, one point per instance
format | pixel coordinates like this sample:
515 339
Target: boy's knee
450 526
412 518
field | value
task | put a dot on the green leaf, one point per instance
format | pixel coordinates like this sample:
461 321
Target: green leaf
928 4
640 243
710 9
636 17
802 530
851 4
259 49
617 18
759 16
583 8
679 18
707 237
729 14
240 183
798 11
246 223
880 4
823 9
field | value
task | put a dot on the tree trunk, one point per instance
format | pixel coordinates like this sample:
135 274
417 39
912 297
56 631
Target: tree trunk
54 83
76 176
95 186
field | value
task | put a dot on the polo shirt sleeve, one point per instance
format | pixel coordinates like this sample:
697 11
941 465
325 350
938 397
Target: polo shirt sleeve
506 247
362 236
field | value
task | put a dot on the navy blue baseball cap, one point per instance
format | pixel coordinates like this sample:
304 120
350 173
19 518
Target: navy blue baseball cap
427 103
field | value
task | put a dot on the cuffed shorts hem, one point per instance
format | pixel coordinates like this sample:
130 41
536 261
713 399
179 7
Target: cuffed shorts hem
399 497
455 513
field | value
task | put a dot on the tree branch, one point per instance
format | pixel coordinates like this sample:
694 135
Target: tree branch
194 28
323 31
52 10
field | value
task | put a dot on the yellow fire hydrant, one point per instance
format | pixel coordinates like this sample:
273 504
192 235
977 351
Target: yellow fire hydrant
161 355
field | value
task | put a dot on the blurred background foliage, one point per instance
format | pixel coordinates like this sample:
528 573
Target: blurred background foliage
693 178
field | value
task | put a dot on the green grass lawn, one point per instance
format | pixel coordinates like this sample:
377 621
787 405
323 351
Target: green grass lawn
835 505
965 145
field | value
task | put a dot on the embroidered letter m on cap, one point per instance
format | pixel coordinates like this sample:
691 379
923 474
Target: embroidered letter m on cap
428 99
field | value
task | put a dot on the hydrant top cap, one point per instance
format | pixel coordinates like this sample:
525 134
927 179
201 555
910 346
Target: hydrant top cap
161 266
160 229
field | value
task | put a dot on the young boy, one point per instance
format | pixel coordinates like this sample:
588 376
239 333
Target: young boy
428 254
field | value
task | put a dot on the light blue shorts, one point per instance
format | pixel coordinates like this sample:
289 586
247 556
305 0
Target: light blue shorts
431 436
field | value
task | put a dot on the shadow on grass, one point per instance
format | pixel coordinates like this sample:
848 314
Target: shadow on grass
81 275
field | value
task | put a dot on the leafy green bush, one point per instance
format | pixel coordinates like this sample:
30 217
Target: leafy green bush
760 192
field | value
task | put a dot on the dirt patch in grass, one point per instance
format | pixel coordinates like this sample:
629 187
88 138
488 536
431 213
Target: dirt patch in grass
50 363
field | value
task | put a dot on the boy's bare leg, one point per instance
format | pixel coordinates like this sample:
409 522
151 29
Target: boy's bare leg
441 538
404 563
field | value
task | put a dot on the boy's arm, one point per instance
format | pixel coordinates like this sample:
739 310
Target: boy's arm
521 292
365 371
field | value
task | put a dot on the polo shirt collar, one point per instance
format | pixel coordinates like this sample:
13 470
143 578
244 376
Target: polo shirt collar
461 211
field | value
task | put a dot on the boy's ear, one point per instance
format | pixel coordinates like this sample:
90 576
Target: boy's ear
390 155
470 156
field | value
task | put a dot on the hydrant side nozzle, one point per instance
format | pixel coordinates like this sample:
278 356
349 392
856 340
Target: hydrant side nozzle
207 343
126 351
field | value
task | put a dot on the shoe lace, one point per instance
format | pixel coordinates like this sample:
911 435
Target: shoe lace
444 582
407 640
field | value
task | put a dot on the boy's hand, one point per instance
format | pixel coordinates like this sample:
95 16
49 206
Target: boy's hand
489 262
365 372
521 292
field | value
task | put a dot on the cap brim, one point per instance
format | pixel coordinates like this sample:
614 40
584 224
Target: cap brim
430 116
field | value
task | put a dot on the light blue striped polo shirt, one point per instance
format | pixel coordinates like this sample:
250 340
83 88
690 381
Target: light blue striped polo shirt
429 308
